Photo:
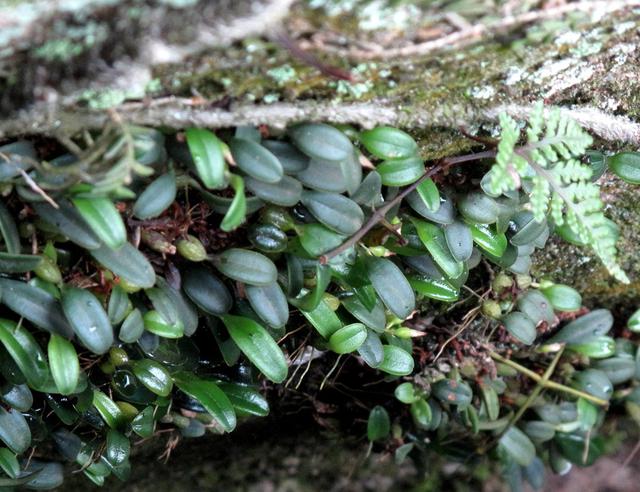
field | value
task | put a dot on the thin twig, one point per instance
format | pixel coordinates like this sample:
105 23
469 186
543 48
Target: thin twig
549 384
379 214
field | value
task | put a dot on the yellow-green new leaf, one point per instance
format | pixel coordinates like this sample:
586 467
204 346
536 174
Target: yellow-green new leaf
65 367
103 218
25 351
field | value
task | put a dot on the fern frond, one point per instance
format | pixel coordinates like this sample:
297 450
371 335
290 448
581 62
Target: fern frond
560 183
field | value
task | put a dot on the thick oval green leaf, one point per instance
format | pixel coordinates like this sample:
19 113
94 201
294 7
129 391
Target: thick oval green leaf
517 445
626 165
371 349
316 239
373 318
437 289
433 239
453 392
67 221
539 430
490 399
143 424
14 430
246 266
153 376
351 173
208 157
348 338
155 323
292 160
119 305
520 326
64 363
391 286
321 141
587 327
406 393
488 239
18 396
36 305
323 176
132 327
25 351
597 348
323 319
578 448
536 306
118 447
256 343
286 192
210 396
335 211
478 208
421 413
246 400
562 297
256 160
103 218
459 240
396 361
156 197
378 424
269 303
88 319
617 369
206 290
186 311
9 231
128 263
108 410
594 382
401 172
525 228
268 238
386 142
17 263
369 193
443 214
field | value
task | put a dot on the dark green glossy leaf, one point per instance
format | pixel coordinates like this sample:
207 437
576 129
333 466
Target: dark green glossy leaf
25 351
587 327
443 214
156 197
246 266
118 447
155 323
575 447
119 305
310 300
36 305
210 396
351 170
525 228
108 410
132 327
17 263
9 463
246 400
153 376
323 319
208 157
9 231
369 193
433 239
17 396
14 430
256 343
269 303
207 291
316 239
128 263
67 221
373 318
371 349
391 286
321 141
286 192
268 238
595 382
488 239
434 288
335 211
478 208
459 240
143 424
323 176
88 319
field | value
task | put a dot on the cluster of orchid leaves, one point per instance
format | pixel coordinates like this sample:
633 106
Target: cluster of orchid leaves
147 282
